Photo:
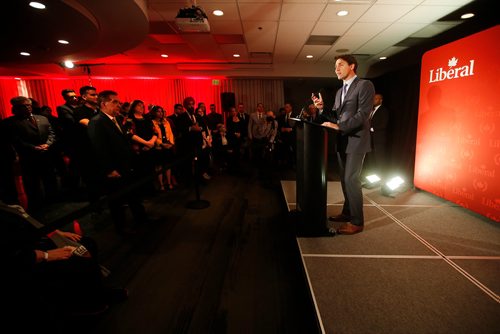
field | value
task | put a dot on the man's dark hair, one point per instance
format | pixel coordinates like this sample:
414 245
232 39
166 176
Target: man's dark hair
105 96
178 105
350 59
85 89
65 92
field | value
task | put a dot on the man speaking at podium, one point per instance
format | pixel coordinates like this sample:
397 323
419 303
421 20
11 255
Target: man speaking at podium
350 117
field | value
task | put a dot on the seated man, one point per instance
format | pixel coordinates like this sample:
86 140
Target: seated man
42 279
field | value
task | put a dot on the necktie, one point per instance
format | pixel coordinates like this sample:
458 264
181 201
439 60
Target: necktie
372 113
32 120
117 125
344 92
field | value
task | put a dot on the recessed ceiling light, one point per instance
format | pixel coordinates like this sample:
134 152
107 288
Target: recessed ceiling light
62 41
467 16
382 58
69 64
236 55
342 13
17 78
164 55
37 5
309 56
218 12
25 53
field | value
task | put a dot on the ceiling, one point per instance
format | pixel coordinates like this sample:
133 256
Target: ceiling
272 37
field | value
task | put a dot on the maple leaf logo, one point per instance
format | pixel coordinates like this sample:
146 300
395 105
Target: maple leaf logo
452 62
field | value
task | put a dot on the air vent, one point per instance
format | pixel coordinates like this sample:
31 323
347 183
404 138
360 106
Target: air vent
261 55
321 40
410 41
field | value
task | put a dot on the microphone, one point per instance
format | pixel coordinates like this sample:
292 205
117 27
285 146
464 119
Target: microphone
301 114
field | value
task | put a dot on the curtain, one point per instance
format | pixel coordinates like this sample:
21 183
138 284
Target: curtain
164 92
8 90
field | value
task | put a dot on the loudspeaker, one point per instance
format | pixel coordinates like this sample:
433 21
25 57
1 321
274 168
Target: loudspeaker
228 101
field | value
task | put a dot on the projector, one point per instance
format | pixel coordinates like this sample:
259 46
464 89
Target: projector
192 19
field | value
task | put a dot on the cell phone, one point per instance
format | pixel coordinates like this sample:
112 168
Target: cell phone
79 251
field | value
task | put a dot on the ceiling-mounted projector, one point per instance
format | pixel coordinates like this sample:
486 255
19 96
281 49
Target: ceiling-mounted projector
192 19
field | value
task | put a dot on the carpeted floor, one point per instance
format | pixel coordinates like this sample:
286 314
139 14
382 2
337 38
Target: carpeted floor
233 267
422 265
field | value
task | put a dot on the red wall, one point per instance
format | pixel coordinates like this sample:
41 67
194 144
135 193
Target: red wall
458 135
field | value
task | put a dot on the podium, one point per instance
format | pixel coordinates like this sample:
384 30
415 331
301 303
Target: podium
311 184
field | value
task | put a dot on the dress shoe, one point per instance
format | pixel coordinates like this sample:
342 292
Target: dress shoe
339 218
348 228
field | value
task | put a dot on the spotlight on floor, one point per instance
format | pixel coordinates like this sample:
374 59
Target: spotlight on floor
371 181
392 187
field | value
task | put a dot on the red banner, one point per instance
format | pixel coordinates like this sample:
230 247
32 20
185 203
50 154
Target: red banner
458 135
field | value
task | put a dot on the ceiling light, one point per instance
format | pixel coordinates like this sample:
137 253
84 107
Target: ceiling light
342 13
68 64
164 55
467 16
37 5
62 41
236 55
25 53
309 56
382 58
218 12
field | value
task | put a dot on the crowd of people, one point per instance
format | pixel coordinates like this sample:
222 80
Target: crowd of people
104 148
74 153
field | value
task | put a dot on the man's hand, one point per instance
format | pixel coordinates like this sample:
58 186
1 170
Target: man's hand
69 235
114 175
317 100
330 125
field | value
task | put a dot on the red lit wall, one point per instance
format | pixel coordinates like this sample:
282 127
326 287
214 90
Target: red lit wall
458 135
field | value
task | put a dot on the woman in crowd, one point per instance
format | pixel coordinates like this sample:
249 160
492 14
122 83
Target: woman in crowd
164 148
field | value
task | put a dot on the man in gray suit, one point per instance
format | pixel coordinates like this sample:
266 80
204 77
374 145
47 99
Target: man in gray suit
350 117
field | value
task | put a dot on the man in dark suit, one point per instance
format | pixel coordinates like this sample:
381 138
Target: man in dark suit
349 116
287 135
379 121
32 136
115 160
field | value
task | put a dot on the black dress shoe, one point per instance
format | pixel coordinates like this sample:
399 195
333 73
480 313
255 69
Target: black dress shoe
339 218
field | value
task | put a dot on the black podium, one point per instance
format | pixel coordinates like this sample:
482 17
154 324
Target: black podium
312 156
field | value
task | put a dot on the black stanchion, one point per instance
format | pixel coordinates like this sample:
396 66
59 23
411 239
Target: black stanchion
198 203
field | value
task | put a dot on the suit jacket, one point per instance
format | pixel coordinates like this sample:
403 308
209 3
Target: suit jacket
257 128
379 123
244 118
25 136
112 147
283 122
352 117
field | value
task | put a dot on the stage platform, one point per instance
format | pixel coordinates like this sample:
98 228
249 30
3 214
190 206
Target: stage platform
422 265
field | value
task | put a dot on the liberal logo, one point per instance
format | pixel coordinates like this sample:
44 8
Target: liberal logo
453 72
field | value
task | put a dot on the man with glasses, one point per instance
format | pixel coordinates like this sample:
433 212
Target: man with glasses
115 160
32 136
